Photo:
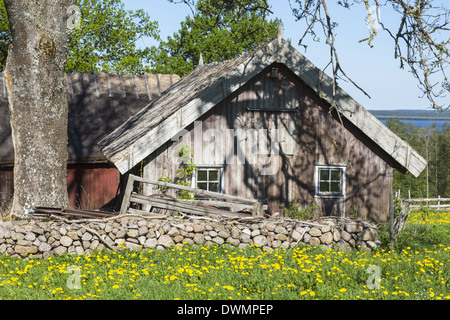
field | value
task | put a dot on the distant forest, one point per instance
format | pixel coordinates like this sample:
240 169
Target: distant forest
425 115
431 142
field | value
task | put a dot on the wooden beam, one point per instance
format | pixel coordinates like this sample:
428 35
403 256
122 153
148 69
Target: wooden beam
197 191
183 207
127 194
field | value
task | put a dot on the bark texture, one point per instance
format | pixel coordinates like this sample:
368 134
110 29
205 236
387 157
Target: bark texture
37 101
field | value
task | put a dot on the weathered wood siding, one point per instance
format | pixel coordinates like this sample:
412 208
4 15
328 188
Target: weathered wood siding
311 136
93 186
6 183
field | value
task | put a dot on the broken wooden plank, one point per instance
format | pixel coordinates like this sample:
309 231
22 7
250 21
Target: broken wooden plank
183 207
197 191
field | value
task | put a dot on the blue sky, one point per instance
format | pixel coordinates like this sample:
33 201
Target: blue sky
373 69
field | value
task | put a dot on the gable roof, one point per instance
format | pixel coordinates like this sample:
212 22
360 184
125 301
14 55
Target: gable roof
98 104
207 85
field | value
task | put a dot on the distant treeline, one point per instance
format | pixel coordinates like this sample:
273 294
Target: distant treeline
432 143
425 115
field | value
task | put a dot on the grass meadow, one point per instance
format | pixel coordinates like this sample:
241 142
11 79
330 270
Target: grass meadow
418 269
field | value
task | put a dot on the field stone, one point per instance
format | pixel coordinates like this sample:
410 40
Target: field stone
260 240
345 236
315 232
233 241
198 228
218 240
314 241
199 238
120 233
336 235
73 235
306 237
60 250
276 244
369 235
150 243
224 233
19 249
353 227
326 238
132 233
132 246
143 230
281 229
178 239
66 241
281 237
245 238
17 236
38 230
255 233
296 235
325 229
30 236
235 233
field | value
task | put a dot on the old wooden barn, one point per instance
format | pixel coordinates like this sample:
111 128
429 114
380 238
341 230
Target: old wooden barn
260 126
98 104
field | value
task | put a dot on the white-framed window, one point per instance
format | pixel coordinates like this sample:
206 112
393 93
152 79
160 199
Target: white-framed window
208 178
330 181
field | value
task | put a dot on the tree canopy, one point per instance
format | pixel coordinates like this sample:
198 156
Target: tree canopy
432 143
218 30
103 39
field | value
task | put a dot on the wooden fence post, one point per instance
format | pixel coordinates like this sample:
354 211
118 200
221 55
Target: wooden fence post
391 220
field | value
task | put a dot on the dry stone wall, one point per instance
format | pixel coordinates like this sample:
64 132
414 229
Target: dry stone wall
43 239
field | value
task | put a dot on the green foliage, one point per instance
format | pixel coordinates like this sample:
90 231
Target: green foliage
184 173
105 41
416 236
432 143
5 35
107 38
297 211
220 30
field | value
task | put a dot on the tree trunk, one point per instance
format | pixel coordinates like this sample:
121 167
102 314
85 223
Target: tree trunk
37 101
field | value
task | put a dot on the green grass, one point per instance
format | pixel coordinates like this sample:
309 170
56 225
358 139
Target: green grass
418 268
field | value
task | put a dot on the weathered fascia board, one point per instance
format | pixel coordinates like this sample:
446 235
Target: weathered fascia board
352 110
223 87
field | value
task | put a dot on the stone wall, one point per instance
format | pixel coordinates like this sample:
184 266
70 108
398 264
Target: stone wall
43 239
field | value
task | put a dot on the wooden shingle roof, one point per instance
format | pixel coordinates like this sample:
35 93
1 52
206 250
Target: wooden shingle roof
98 104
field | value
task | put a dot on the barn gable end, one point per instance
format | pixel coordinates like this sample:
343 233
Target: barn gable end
260 126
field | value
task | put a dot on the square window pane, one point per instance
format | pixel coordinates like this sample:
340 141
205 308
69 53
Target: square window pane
324 187
336 175
202 175
335 187
214 187
213 175
324 174
202 185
